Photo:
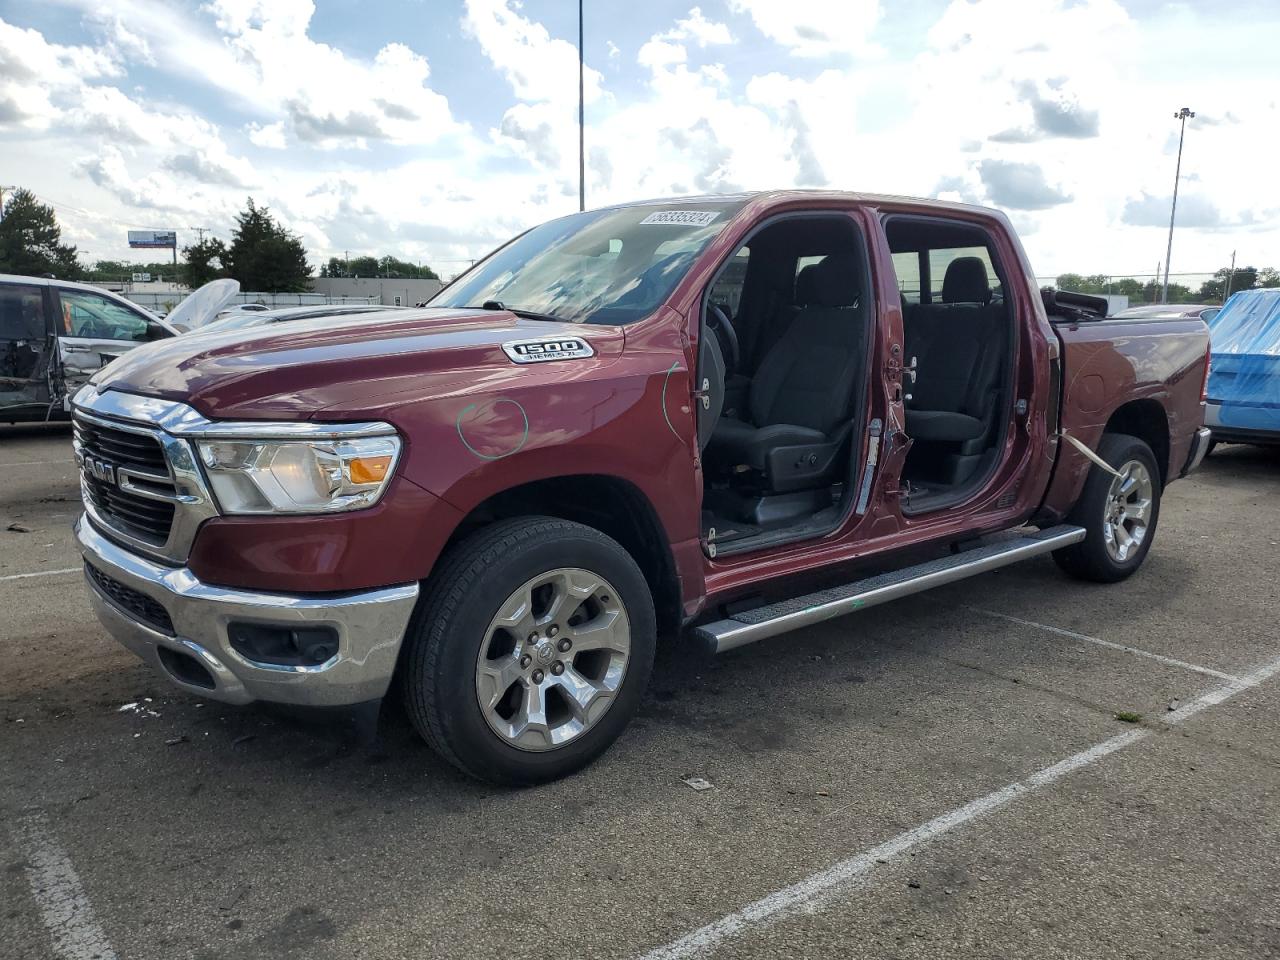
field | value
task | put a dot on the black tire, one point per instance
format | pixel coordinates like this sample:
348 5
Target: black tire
439 669
1090 559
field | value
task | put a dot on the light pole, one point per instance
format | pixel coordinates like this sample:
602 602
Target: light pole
1182 115
582 132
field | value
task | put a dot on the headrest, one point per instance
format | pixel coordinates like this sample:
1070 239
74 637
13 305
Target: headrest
966 281
836 281
807 285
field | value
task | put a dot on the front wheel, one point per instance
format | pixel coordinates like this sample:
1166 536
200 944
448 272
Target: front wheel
530 650
1119 513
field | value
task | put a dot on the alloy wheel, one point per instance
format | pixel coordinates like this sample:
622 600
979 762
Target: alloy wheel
553 659
1128 511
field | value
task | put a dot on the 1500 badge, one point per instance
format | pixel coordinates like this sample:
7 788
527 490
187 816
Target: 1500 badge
540 350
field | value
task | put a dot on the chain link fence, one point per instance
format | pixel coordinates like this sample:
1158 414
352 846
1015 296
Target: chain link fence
163 302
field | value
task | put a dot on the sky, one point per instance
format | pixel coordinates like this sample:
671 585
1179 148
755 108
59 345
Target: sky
434 130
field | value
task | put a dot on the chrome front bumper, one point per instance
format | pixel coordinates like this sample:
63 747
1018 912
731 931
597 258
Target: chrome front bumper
370 626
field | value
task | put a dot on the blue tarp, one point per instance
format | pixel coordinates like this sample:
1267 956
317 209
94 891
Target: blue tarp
1245 374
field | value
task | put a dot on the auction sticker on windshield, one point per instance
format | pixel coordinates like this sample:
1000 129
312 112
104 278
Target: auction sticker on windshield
685 218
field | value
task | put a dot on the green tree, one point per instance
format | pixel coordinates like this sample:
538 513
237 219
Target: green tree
1129 287
1076 283
31 240
1269 277
387 266
334 268
265 256
120 270
1244 278
391 267
205 261
363 267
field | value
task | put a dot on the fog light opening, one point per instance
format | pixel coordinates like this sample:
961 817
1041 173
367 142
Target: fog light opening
283 646
185 668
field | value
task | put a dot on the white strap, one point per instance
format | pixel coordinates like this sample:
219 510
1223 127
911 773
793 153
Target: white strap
1091 455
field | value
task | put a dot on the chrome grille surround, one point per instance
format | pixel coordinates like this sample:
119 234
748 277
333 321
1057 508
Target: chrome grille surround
175 426
119 509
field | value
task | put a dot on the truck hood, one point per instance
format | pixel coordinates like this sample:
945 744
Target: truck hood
201 305
347 365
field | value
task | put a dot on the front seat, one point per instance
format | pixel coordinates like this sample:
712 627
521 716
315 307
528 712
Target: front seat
802 391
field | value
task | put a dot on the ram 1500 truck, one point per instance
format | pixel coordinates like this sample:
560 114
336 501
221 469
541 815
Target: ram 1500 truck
672 416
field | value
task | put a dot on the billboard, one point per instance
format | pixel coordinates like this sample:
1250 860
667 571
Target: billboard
165 239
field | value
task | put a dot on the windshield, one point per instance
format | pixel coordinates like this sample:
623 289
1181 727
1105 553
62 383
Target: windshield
605 266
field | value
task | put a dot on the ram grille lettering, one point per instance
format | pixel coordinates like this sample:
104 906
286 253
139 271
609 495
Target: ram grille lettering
100 470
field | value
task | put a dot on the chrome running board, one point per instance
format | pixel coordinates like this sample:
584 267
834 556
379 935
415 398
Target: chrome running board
769 621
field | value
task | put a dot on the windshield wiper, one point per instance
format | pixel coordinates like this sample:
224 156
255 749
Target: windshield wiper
524 314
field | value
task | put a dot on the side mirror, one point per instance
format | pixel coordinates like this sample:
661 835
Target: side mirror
156 332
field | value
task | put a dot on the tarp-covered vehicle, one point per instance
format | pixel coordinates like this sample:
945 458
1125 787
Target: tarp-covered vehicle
55 335
1243 405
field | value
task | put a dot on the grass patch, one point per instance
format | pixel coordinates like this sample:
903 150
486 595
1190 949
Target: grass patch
1128 716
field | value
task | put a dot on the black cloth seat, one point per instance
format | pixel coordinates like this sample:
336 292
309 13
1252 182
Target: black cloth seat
958 346
801 394
966 281
943 425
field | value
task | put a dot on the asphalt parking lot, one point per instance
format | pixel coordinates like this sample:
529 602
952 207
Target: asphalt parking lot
942 777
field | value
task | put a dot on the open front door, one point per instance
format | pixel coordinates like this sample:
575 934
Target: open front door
25 352
790 319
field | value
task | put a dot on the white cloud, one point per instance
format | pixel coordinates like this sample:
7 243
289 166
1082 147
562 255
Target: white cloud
268 135
1010 102
815 28
1019 186
36 76
539 67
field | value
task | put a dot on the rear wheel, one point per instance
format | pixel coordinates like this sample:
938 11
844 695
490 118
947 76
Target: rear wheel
530 651
1119 513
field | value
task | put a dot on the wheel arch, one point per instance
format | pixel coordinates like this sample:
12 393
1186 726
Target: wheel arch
1147 420
614 506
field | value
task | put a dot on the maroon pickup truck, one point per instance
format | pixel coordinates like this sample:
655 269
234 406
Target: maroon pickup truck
675 416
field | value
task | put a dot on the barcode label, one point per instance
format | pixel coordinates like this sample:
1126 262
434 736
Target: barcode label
685 218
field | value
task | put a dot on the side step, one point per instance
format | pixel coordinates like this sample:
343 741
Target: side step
776 618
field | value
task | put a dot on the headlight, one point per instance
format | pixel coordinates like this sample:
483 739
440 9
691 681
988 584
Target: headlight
299 476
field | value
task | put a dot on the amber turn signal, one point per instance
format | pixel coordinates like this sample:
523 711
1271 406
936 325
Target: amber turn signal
368 469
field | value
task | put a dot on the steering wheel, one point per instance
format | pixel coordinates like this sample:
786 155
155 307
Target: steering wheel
94 328
719 323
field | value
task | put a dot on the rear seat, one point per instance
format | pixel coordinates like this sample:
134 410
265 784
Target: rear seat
959 348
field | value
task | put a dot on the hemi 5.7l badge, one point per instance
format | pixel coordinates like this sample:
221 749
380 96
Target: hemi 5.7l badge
541 351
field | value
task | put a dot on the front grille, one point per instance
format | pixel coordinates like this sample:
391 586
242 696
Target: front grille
131 601
143 518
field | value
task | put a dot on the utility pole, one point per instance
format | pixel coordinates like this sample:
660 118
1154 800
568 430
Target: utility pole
1230 276
1183 115
582 123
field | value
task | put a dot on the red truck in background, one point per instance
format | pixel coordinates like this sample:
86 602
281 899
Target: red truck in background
662 416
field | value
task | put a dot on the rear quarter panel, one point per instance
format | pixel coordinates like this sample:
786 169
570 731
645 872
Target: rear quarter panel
1108 363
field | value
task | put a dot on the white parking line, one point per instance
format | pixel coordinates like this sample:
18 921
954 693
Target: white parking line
1159 658
41 573
58 893
812 893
